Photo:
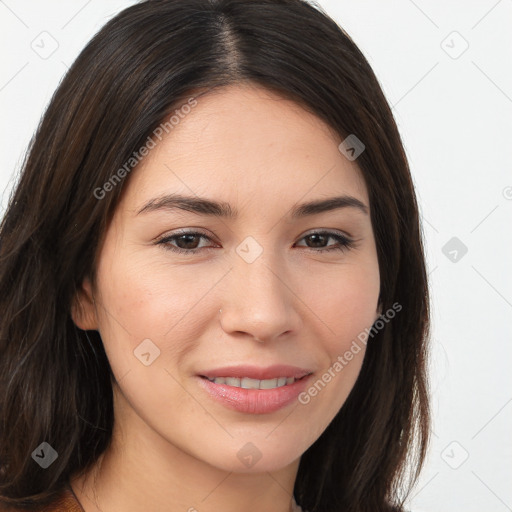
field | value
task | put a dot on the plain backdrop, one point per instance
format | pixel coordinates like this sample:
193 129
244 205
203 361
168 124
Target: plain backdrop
445 67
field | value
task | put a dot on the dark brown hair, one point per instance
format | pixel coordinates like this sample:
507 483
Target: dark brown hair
55 379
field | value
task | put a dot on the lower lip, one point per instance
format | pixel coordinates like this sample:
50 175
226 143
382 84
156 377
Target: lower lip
254 401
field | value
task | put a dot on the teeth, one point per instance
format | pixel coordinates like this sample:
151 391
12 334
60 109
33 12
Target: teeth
268 384
247 383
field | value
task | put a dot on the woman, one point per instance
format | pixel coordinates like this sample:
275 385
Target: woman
213 288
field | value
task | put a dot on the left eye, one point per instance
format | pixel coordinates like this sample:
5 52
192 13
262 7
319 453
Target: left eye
344 243
187 242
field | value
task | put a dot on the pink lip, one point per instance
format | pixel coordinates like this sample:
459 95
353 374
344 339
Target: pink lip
253 372
254 401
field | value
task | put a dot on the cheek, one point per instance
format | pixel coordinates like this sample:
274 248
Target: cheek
156 302
346 302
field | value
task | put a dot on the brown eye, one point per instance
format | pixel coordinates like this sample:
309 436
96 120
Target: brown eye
184 242
318 240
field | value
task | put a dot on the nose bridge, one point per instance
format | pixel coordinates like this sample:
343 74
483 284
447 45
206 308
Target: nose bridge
258 300
260 271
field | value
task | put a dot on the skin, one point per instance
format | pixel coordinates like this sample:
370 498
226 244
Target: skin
262 154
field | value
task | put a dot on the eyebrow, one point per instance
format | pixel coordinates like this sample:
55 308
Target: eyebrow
203 206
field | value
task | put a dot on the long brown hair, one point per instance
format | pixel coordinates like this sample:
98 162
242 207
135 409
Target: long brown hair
55 379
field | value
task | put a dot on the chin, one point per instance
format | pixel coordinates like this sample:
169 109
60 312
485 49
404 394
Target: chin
256 457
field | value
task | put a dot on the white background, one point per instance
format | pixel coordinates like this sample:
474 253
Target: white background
454 111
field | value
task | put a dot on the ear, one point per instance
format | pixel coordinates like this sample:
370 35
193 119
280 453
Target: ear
83 308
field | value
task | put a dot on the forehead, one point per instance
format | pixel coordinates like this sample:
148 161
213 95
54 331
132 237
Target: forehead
247 145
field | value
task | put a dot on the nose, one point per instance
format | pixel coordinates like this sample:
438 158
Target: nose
258 302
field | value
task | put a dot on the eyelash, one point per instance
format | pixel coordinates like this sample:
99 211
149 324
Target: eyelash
345 243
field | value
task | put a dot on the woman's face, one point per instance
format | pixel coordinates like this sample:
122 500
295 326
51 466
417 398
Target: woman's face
284 301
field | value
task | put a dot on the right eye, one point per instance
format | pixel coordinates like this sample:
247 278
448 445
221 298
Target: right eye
186 242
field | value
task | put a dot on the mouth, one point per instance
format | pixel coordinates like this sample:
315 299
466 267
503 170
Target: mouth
253 390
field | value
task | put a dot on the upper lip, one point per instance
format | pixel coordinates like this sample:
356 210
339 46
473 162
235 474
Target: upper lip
255 372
